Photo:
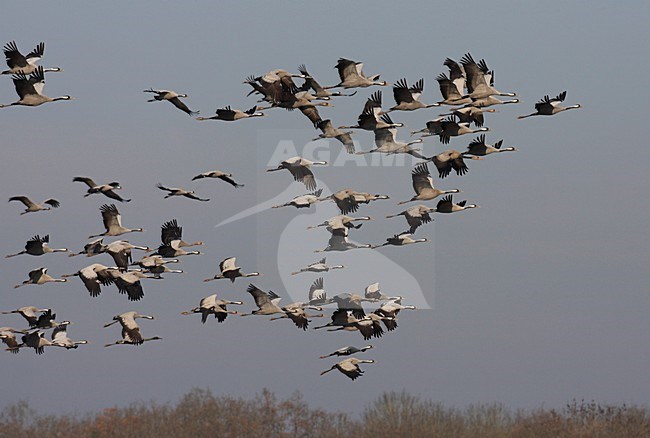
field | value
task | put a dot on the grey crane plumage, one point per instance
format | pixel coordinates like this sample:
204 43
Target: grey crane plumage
37 246
388 312
303 201
319 266
392 308
32 206
173 250
300 169
36 340
156 265
340 224
172 97
480 80
25 64
228 114
172 234
158 270
319 91
446 205
340 242
372 117
470 114
456 74
373 293
451 94
342 318
317 295
408 98
386 143
367 326
450 159
351 302
432 127
120 251
297 314
30 314
130 329
211 305
348 200
449 127
479 148
30 90
227 177
229 269
128 282
415 216
423 185
8 337
105 189
347 351
329 131
266 302
60 337
352 75
46 320
177 191
401 240
292 98
550 106
488 101
112 220
39 276
317 299
93 277
91 248
275 86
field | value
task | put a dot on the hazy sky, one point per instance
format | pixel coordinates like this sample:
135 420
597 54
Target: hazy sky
538 297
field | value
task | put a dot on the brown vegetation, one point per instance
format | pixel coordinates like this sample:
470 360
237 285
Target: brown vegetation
199 413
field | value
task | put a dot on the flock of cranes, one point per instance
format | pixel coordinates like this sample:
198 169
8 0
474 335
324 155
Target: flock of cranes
468 87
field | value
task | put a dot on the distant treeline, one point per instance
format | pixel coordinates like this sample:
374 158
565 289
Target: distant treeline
201 414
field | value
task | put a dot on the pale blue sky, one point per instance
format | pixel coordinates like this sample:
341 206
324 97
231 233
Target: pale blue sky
538 297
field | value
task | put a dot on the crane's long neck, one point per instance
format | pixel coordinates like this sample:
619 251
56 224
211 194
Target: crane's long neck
327 371
527 115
